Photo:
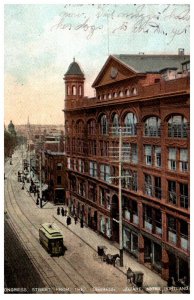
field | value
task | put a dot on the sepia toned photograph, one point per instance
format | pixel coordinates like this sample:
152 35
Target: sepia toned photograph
96 148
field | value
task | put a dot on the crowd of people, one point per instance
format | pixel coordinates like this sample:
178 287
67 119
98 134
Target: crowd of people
65 212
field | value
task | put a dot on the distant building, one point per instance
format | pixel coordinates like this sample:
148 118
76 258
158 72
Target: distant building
11 129
148 95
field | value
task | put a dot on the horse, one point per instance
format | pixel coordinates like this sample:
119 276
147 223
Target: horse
111 258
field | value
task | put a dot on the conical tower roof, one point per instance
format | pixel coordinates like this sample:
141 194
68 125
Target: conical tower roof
74 69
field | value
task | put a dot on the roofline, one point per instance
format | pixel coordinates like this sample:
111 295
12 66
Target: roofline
106 63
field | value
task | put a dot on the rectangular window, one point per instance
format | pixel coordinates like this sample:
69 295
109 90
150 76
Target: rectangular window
172 236
91 147
105 173
81 165
102 196
93 168
158 191
92 192
147 217
172 159
126 149
134 153
75 164
148 155
157 156
183 164
82 188
184 195
148 185
172 192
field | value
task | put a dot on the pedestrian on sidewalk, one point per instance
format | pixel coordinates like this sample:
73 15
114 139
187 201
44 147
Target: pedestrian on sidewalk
58 211
82 223
65 212
75 219
62 212
68 220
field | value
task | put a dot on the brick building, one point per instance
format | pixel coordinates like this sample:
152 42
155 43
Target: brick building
53 166
148 95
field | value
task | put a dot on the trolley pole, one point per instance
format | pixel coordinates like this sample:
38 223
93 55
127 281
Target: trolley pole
40 178
120 199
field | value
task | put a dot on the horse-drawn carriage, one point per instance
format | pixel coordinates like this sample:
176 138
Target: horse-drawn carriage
108 258
135 277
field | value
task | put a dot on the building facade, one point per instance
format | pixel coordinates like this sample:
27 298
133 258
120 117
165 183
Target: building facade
148 97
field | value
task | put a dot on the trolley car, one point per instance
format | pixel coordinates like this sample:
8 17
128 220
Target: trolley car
51 239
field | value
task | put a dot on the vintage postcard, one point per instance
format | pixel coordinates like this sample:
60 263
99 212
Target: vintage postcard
96 148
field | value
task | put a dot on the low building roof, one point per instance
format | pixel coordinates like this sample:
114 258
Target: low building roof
152 63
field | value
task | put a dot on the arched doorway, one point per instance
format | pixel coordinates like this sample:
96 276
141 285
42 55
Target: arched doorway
115 218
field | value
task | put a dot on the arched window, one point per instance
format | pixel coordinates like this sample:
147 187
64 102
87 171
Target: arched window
80 90
104 125
127 92
120 93
115 95
104 96
177 127
152 126
115 124
68 90
109 96
130 124
74 90
134 91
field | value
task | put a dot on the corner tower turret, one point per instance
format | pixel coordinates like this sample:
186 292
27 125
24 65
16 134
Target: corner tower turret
74 83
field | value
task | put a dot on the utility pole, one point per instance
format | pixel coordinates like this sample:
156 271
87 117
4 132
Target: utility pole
22 155
40 178
120 199
121 158
30 165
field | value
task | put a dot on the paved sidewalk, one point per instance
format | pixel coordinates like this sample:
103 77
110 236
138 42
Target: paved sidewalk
94 239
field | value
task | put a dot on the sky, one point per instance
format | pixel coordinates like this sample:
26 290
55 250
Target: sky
41 40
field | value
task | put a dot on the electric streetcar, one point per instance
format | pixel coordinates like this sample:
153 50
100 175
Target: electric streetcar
51 239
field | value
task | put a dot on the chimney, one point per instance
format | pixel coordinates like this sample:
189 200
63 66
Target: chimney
181 51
